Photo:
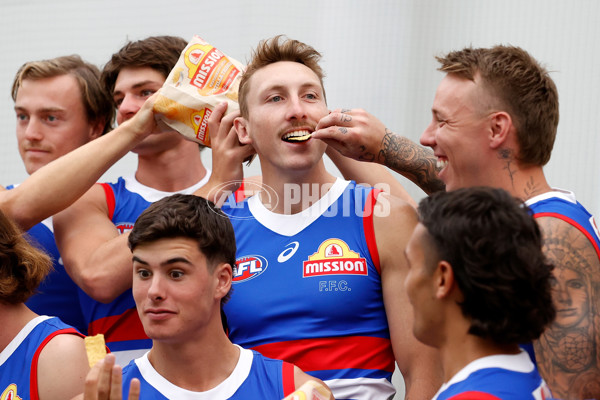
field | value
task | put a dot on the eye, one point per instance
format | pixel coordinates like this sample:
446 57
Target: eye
275 99
22 117
575 284
176 274
311 96
51 118
147 92
143 273
118 101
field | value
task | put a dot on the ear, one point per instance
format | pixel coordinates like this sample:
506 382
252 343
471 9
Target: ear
501 126
96 130
223 275
241 125
444 279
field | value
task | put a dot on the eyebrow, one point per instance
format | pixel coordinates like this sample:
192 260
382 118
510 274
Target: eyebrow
170 261
44 110
279 86
139 85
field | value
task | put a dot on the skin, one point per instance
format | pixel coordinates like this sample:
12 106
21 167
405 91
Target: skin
438 319
85 234
459 115
62 363
51 120
361 136
287 96
178 298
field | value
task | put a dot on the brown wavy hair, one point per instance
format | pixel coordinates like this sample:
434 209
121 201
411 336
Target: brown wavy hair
22 266
95 99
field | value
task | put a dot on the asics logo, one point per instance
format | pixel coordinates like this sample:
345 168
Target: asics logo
288 252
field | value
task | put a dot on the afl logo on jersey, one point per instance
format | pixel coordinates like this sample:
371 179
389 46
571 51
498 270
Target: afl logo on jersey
249 267
10 393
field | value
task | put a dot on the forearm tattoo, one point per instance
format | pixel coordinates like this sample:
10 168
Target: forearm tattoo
411 161
568 351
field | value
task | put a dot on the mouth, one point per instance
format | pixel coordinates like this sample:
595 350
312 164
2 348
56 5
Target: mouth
441 163
297 136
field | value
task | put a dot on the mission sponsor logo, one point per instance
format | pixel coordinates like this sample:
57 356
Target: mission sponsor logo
334 257
249 267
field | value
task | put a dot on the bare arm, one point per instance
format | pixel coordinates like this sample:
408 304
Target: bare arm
58 184
369 174
420 364
62 367
568 352
359 135
301 377
95 255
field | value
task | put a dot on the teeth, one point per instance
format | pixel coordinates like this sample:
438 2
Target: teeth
297 136
441 164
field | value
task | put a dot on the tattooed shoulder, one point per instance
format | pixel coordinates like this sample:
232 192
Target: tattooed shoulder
568 353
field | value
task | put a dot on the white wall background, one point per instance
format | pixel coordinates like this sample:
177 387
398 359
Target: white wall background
378 55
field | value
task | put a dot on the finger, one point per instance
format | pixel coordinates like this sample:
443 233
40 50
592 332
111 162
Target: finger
134 389
116 390
218 111
90 391
105 377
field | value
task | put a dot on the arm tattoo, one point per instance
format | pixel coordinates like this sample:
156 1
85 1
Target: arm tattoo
411 161
366 155
568 351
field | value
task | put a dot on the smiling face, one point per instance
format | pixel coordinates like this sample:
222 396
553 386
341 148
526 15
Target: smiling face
176 295
51 120
459 133
285 100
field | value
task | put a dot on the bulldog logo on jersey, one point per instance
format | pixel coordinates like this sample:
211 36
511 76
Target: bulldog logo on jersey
334 257
248 267
124 227
10 393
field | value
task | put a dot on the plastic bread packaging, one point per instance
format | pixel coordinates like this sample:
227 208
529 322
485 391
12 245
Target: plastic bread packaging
202 78
310 390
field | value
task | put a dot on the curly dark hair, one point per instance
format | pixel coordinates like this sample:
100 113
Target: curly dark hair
495 249
22 266
188 216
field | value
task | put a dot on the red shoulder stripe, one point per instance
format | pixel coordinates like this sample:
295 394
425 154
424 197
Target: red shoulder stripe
33 381
369 229
110 199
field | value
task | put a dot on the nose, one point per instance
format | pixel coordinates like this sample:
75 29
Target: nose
155 290
33 130
428 136
128 108
296 109
562 294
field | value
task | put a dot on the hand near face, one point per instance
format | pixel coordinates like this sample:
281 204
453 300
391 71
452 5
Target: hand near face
228 154
103 382
354 133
